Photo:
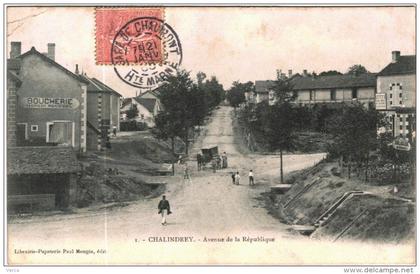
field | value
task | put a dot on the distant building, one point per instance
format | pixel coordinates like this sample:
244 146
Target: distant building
312 90
396 86
147 108
103 112
51 101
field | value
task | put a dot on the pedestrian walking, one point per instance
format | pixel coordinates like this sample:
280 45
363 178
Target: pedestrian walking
164 209
224 160
186 173
251 178
237 178
199 159
114 130
233 177
219 161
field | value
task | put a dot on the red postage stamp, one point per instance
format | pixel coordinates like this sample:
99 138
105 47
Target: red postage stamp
142 47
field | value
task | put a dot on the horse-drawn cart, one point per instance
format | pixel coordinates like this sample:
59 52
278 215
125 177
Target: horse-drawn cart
208 155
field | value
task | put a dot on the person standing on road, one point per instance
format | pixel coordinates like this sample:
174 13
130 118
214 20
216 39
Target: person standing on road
164 209
198 161
186 173
224 160
251 178
114 131
233 177
237 178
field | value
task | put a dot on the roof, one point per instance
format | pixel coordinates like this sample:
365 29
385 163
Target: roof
41 160
148 103
52 62
154 92
263 86
105 87
323 82
406 64
92 86
334 81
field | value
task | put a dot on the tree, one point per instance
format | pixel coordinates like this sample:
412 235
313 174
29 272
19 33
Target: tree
330 73
201 76
179 97
357 70
355 134
283 91
214 92
133 112
236 94
280 131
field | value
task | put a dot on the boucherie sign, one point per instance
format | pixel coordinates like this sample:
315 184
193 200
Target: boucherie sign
49 102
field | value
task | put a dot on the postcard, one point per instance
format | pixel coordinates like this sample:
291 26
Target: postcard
210 135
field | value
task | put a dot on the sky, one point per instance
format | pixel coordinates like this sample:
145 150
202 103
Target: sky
234 43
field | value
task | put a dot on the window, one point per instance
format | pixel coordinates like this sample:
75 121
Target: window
60 132
400 102
400 95
354 93
333 95
21 133
390 102
34 128
390 95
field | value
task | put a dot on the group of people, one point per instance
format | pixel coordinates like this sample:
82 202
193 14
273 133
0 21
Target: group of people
236 178
217 162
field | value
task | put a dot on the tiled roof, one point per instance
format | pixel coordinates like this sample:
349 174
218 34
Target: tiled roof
263 86
323 82
153 92
105 87
41 160
148 103
54 63
334 81
406 64
92 86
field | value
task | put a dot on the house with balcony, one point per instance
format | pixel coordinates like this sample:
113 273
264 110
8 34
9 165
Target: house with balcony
311 90
396 96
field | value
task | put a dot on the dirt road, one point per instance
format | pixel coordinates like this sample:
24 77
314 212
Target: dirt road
208 207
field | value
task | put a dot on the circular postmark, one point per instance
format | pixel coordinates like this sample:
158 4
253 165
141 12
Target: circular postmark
145 51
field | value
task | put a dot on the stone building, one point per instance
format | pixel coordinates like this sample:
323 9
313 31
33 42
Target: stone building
396 86
41 178
103 112
51 102
311 90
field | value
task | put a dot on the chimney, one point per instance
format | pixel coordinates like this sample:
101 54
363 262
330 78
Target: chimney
278 73
395 56
15 49
290 72
76 71
305 72
51 51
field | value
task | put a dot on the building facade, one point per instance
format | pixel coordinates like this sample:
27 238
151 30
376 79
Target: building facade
396 85
310 90
103 112
147 108
51 102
